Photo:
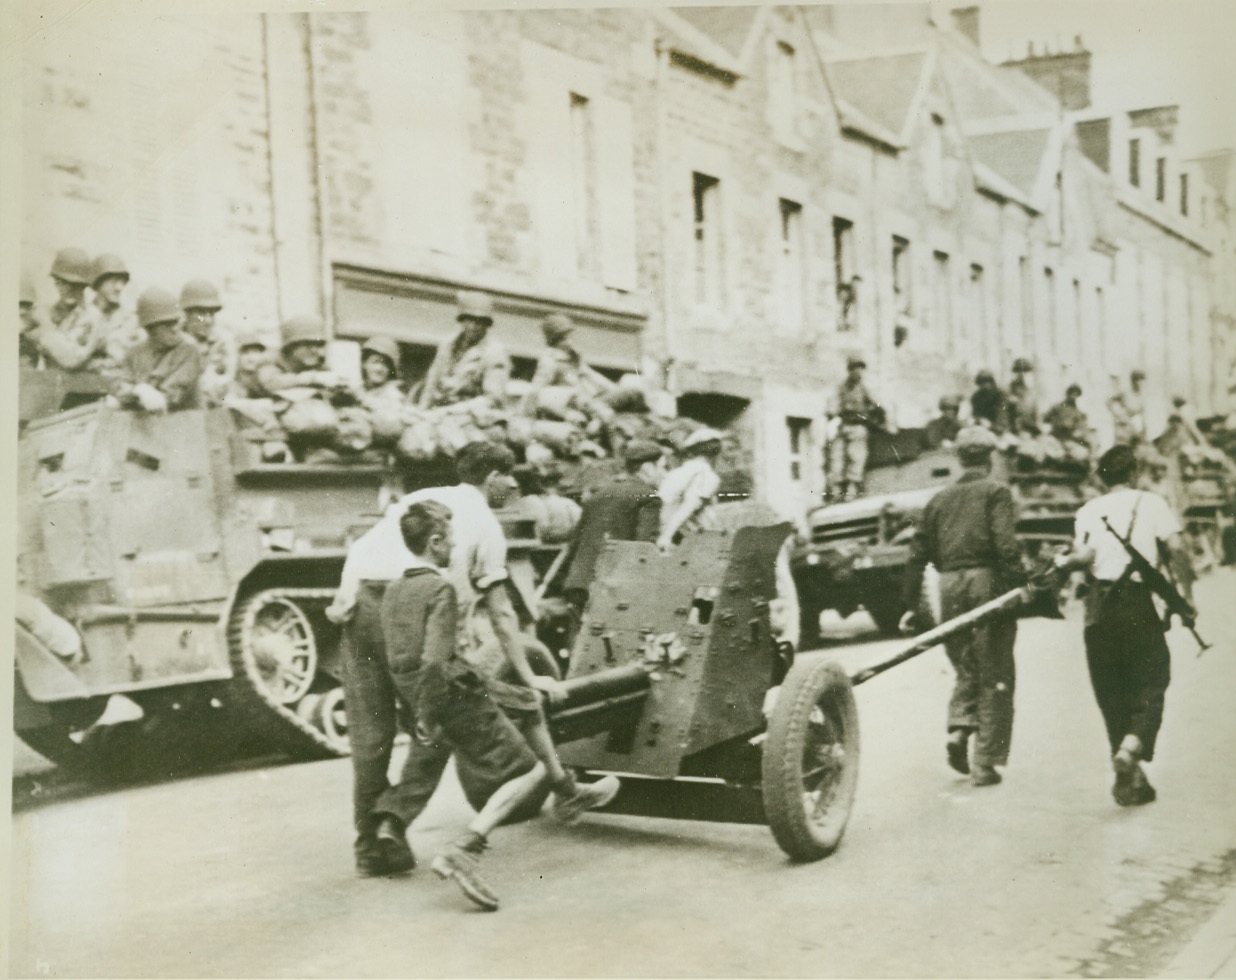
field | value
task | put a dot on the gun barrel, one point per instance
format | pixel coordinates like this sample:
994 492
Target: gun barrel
934 637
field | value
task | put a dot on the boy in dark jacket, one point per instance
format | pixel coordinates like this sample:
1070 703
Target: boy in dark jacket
452 709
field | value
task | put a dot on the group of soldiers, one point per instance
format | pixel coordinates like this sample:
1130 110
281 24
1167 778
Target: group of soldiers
172 353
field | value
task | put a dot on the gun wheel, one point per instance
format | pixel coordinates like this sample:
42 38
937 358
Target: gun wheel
810 766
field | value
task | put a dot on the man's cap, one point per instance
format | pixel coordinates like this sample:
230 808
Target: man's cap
639 451
702 435
471 303
975 442
1023 364
72 265
950 401
198 294
107 265
157 306
387 347
854 361
556 326
1117 464
984 376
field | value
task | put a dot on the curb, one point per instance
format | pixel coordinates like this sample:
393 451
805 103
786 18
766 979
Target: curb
1212 952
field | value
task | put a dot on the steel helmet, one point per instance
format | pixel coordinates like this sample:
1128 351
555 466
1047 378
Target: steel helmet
107 265
303 329
854 361
198 294
72 265
950 401
27 292
246 340
556 326
984 376
385 346
157 306
1023 364
474 304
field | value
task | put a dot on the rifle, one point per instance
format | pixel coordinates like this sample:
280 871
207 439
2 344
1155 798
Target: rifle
1164 588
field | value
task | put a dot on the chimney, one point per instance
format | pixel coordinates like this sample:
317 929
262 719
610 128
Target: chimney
1065 74
966 22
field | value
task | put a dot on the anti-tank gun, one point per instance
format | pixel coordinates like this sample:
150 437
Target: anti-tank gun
676 684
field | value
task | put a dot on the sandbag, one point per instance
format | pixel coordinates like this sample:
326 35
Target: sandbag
355 431
310 417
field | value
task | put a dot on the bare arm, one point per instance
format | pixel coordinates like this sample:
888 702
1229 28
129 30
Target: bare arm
497 605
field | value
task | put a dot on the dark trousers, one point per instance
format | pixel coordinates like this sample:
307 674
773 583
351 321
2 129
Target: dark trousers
982 658
1130 666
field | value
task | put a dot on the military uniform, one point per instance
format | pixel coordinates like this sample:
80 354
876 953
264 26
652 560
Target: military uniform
967 533
847 455
461 372
174 371
70 338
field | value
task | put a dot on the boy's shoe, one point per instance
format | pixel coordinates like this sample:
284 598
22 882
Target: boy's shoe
461 865
374 861
393 845
1135 790
984 776
958 747
587 796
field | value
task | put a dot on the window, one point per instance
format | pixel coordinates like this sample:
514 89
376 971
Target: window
791 265
583 185
1184 194
1160 179
706 194
783 90
942 295
799 431
903 277
1135 163
933 160
843 270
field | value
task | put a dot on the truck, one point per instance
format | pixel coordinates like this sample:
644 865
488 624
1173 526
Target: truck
854 552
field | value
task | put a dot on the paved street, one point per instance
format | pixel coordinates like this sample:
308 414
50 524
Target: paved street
249 873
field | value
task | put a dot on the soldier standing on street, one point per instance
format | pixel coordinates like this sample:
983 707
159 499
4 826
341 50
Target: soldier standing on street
67 336
856 411
967 533
201 303
160 375
472 363
1126 651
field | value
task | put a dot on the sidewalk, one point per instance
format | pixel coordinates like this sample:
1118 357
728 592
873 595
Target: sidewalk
1212 952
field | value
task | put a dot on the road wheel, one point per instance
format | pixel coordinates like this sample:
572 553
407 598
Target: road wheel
478 789
810 767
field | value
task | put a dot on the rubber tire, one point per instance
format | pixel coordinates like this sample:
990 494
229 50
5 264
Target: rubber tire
478 790
811 682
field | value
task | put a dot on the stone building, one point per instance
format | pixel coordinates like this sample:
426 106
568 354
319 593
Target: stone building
732 198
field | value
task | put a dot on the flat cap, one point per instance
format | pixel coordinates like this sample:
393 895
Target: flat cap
975 440
639 451
854 361
702 435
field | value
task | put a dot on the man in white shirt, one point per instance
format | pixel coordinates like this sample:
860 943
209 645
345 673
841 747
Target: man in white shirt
1126 651
477 570
689 490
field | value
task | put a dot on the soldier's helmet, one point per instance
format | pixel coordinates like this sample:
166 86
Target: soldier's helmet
854 362
556 327
107 265
1022 365
984 377
1138 375
72 265
27 294
975 444
950 402
157 306
247 341
479 306
384 347
303 329
1073 389
198 294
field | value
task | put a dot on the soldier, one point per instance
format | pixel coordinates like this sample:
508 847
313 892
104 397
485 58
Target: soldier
380 374
119 327
1127 654
201 303
472 363
27 350
690 489
67 336
160 375
1023 405
1067 423
303 360
1128 411
561 366
966 532
856 411
988 406
943 429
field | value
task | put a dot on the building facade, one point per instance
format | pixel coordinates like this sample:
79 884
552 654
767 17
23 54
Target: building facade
732 199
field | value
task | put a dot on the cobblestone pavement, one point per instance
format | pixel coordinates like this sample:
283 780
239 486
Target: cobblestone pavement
248 872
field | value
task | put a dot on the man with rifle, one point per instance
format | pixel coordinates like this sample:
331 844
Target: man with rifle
1116 537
